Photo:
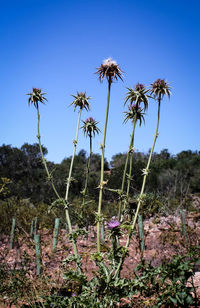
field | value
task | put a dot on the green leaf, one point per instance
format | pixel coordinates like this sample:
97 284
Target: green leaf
173 300
189 300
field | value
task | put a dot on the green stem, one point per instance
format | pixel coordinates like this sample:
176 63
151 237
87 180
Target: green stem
102 170
131 163
55 234
49 176
12 233
142 190
35 226
129 155
73 156
68 186
184 227
87 172
141 234
38 253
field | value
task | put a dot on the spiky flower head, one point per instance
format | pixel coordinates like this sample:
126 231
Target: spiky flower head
134 112
36 96
159 88
81 101
90 127
137 95
113 224
109 69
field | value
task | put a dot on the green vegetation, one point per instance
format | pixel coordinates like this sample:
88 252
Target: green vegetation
172 181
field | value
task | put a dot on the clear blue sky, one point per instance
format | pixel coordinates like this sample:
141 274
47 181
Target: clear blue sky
57 46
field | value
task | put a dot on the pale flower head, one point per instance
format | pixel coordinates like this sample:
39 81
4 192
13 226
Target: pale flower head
109 61
109 69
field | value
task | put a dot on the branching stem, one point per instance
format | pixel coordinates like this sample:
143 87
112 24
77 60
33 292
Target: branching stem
129 155
68 184
141 193
50 178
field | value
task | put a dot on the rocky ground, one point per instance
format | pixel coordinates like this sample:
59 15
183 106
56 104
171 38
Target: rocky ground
163 239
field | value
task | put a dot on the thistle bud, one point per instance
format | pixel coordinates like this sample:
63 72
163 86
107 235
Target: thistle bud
81 101
138 95
36 96
159 88
90 127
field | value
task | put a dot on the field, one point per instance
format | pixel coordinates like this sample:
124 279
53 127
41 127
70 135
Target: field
20 284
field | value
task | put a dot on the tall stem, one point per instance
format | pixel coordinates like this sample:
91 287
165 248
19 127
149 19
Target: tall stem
68 185
87 172
102 170
73 156
131 162
49 176
146 171
125 168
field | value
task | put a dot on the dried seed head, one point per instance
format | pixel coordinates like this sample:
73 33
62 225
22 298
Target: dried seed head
36 96
159 88
109 69
81 101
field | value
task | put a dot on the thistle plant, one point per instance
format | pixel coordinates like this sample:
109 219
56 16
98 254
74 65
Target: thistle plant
159 89
81 101
89 129
135 97
35 97
111 71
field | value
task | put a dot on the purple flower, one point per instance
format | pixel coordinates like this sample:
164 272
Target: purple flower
113 224
37 90
135 107
139 86
89 120
74 294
